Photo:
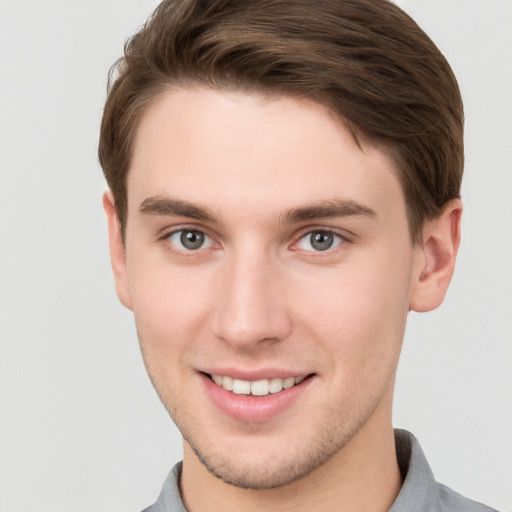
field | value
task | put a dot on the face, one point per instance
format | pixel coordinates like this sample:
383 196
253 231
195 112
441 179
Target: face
269 266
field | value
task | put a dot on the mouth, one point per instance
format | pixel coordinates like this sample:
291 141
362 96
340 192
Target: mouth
261 387
259 400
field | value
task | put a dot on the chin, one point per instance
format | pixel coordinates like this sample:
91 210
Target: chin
246 473
268 466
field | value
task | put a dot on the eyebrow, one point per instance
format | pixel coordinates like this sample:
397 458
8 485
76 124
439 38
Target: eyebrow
163 205
331 208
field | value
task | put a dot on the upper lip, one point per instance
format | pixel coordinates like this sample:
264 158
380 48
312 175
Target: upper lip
255 374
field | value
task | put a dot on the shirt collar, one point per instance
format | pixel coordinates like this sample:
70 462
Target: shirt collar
419 491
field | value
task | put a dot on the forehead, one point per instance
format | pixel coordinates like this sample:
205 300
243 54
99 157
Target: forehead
232 151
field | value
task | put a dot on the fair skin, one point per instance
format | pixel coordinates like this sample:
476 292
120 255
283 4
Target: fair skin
262 244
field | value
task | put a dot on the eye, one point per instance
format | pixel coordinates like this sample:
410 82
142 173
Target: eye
319 240
190 240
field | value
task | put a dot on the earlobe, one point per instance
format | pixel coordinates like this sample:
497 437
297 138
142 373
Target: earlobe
117 251
435 258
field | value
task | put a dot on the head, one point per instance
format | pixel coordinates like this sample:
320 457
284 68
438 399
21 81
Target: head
285 179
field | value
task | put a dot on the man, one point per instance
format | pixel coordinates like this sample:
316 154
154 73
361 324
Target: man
284 188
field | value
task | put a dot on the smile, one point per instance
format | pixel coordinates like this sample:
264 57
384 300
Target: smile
256 387
256 399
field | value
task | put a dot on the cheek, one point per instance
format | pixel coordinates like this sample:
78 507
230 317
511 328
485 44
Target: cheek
170 312
359 316
170 306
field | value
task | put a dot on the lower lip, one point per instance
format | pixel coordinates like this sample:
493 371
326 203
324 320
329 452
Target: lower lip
250 408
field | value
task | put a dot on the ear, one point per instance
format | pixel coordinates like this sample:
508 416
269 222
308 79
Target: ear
117 251
435 258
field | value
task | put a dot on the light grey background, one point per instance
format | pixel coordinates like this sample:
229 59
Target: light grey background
80 427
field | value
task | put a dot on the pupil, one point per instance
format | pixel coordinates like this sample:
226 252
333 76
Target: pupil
192 239
321 240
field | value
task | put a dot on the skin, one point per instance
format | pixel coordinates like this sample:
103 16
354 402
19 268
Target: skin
258 296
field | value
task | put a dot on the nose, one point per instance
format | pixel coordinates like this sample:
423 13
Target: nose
251 307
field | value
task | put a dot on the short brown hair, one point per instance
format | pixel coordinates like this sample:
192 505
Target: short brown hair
366 60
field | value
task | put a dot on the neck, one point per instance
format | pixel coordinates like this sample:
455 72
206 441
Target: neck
364 475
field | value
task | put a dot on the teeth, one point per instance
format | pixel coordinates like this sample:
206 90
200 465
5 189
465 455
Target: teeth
260 387
288 383
275 385
241 387
227 383
257 387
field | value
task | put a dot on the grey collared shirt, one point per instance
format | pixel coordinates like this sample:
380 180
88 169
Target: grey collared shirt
420 492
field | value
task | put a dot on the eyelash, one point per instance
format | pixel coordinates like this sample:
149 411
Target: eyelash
337 240
342 239
184 251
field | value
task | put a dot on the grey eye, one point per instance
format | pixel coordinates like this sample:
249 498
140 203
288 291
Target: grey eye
319 241
190 240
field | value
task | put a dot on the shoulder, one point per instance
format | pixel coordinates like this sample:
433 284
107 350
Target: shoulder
420 491
451 501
